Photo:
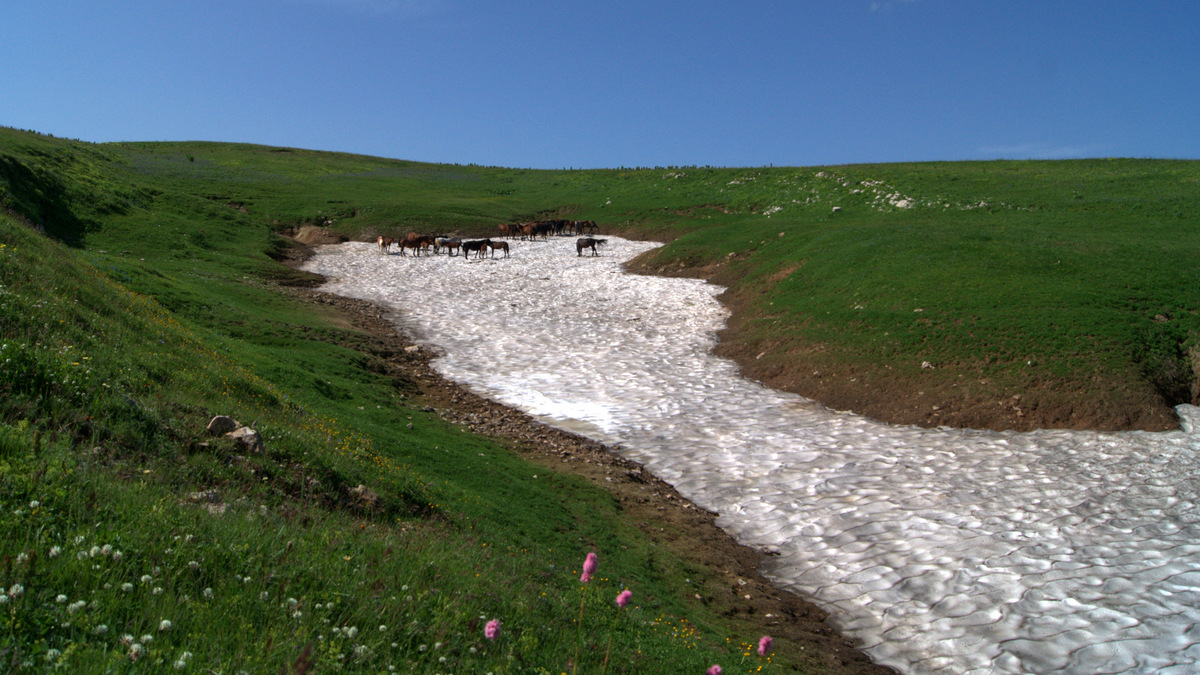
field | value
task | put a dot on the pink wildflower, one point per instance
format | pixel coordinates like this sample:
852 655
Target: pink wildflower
623 597
492 630
715 670
764 645
589 568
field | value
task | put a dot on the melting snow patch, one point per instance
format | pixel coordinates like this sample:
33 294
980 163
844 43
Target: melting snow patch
943 551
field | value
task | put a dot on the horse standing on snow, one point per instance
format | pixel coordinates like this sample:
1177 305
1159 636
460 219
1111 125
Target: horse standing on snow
588 242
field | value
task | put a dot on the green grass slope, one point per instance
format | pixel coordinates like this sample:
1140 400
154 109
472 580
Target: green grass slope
153 303
132 541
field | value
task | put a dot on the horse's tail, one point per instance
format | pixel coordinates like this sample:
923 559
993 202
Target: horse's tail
601 242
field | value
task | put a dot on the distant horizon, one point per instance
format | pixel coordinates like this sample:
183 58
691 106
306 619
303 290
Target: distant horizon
627 166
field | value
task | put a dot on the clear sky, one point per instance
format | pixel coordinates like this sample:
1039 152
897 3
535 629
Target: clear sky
608 83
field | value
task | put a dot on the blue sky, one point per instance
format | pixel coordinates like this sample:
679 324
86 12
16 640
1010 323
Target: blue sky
555 84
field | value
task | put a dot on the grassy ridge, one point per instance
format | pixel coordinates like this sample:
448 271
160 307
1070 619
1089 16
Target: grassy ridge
159 308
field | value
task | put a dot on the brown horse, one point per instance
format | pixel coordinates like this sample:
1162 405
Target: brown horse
588 242
416 242
451 244
385 244
501 245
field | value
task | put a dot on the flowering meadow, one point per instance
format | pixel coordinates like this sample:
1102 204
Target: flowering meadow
133 541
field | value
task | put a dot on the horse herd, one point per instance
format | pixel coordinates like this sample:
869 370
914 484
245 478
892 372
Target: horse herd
423 243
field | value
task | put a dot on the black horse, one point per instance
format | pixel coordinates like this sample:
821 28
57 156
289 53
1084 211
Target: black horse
588 242
476 245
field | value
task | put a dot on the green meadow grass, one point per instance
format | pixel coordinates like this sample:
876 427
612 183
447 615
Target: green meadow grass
131 541
153 304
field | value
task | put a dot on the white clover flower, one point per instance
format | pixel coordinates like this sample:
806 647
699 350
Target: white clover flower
79 540
22 557
94 551
351 632
193 565
208 593
164 625
34 504
52 655
292 602
100 630
60 598
146 578
82 555
382 628
157 590
126 639
437 645
106 549
264 595
74 607
135 651
3 599
55 551
16 590
117 555
126 587
441 659
360 650
183 659
148 638
422 648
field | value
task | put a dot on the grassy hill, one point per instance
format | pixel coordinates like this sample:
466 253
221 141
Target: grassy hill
928 293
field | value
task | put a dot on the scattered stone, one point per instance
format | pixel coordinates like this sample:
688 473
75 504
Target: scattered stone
249 438
365 497
221 424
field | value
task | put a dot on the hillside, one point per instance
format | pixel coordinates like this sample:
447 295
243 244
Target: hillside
386 518
999 294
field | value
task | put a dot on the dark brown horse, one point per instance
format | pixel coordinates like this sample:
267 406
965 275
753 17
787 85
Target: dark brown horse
588 242
498 245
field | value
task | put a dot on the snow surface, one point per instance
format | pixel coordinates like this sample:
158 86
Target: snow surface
941 550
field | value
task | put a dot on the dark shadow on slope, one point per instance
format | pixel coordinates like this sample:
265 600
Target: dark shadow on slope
41 199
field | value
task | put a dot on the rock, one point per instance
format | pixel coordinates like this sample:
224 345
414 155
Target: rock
365 497
248 437
221 424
